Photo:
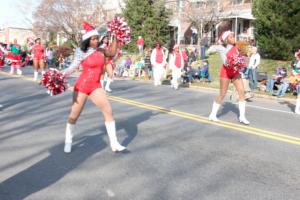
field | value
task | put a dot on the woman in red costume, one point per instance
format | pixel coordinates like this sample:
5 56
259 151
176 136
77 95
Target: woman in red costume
92 60
1 56
109 66
38 58
229 74
14 57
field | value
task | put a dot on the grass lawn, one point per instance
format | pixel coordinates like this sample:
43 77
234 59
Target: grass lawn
215 63
266 65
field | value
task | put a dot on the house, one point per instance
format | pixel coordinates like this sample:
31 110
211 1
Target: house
8 34
236 15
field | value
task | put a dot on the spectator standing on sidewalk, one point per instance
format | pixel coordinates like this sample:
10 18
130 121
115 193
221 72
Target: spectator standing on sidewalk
147 61
140 45
50 57
203 46
296 70
253 65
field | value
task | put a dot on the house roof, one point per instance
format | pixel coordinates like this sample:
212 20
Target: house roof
242 14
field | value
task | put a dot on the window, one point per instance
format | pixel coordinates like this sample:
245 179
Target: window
237 1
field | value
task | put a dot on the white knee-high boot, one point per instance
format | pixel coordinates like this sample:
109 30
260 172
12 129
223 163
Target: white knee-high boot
242 108
156 76
214 111
111 131
35 75
70 128
107 88
19 71
102 83
297 109
12 69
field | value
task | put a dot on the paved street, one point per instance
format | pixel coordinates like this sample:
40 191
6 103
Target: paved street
174 151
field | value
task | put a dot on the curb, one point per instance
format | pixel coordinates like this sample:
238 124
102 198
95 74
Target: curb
192 87
262 96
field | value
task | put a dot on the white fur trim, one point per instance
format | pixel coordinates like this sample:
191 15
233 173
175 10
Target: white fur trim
90 34
175 46
225 35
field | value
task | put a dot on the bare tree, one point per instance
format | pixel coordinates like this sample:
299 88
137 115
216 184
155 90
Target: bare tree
203 15
66 16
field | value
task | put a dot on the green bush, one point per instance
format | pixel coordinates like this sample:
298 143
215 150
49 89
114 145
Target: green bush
277 27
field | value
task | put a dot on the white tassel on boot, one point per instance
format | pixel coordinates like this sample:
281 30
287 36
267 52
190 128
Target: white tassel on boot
19 71
69 137
111 131
242 108
102 83
35 75
214 111
107 88
297 109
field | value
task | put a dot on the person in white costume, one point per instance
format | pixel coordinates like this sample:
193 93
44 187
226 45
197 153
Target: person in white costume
158 61
176 64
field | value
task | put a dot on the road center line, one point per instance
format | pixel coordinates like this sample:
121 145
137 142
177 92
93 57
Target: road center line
198 118
204 119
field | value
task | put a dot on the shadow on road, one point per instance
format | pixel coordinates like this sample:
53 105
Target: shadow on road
55 166
289 104
229 107
50 169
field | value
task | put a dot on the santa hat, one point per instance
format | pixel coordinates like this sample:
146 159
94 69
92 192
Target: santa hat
225 34
297 54
88 31
176 46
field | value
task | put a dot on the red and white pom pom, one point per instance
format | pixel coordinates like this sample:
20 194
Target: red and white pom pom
118 27
237 62
54 81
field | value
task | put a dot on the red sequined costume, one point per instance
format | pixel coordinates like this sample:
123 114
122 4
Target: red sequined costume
38 52
92 63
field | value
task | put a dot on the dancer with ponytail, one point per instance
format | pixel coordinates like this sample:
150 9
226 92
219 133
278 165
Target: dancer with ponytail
229 74
38 58
104 44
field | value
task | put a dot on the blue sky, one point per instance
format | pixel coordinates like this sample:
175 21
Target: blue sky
12 14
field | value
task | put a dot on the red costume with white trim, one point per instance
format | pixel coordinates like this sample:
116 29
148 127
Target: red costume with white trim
108 60
89 79
228 72
14 56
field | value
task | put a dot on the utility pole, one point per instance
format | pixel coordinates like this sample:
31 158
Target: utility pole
180 6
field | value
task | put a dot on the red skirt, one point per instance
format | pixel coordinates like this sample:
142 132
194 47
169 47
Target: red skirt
14 59
229 73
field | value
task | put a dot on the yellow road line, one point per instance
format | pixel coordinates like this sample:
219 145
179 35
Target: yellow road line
198 118
238 127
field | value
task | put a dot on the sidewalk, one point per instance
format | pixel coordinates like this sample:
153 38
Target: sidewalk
76 74
257 95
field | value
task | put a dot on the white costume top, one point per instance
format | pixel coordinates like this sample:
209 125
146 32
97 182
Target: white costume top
223 52
254 61
153 58
172 60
